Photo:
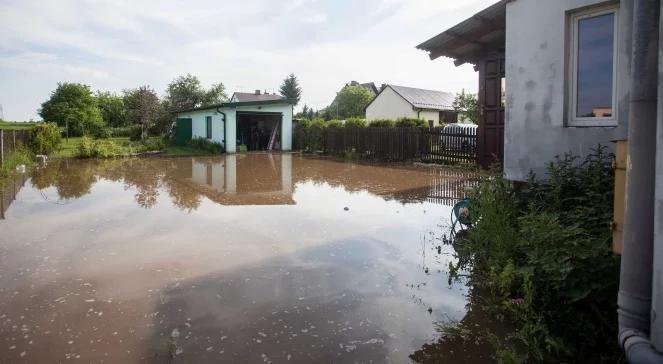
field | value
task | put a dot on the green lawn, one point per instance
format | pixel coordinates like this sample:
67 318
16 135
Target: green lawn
69 147
13 125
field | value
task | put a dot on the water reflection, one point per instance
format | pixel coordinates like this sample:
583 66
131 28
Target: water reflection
253 179
247 258
8 191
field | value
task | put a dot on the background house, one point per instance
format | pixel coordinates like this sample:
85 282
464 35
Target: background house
393 102
255 96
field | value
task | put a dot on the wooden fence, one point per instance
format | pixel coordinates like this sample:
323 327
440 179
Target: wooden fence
10 140
400 144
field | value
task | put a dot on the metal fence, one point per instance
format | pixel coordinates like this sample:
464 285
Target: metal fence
449 147
399 144
10 140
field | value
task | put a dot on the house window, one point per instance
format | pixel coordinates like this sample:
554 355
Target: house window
593 65
208 124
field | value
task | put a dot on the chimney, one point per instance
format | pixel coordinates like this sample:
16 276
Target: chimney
257 92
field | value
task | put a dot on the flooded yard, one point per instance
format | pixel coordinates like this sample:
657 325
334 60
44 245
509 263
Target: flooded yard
240 258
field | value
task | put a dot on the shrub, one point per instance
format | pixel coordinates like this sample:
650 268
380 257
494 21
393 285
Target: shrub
135 133
102 133
103 148
355 123
206 145
410 123
543 253
14 159
45 138
309 135
122 132
151 145
335 124
382 123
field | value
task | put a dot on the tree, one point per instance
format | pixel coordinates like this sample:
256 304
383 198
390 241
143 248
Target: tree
112 109
186 92
467 106
350 102
143 107
215 95
290 88
72 105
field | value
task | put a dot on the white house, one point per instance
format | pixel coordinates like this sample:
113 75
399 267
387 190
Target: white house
264 124
575 74
394 102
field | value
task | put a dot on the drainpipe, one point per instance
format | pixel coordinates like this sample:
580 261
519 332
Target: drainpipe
218 109
657 296
635 284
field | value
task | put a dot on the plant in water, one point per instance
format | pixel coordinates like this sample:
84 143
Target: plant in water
207 145
542 251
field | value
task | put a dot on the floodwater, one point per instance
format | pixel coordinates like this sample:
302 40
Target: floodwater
254 258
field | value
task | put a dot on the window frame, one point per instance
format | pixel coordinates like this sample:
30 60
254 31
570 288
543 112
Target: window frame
572 92
208 127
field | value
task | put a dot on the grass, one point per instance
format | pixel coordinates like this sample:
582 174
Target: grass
69 148
15 125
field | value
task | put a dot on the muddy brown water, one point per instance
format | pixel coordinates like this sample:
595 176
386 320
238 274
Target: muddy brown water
253 258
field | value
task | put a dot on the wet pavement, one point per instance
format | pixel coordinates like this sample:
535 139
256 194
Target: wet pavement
253 258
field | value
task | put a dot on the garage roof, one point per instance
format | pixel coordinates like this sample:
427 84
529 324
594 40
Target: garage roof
478 36
281 101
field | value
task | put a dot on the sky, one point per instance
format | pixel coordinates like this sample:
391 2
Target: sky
247 45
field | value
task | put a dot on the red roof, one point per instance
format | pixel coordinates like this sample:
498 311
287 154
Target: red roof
248 96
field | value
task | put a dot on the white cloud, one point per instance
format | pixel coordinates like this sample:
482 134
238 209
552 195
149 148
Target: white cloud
248 45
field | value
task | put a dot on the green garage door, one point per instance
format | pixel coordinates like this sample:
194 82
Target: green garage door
183 131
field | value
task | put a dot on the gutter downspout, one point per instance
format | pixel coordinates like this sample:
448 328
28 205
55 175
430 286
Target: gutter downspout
657 294
218 109
635 284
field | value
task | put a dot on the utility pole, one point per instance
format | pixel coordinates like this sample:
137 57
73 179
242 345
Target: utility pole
2 114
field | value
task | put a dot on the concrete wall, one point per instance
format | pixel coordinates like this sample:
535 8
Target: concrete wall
536 72
389 105
198 123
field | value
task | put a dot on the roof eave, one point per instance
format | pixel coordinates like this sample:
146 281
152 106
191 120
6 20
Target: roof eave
238 104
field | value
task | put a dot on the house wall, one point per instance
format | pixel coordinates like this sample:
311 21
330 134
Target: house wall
536 92
389 105
199 128
198 123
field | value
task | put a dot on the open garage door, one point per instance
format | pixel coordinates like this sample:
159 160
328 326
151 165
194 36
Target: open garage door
259 130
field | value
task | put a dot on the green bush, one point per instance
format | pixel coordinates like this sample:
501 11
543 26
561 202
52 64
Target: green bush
151 145
45 138
382 123
206 145
103 148
355 123
135 133
543 252
309 135
14 159
335 124
410 123
122 132
102 133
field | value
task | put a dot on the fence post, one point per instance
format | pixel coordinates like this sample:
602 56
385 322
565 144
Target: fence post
14 135
2 148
